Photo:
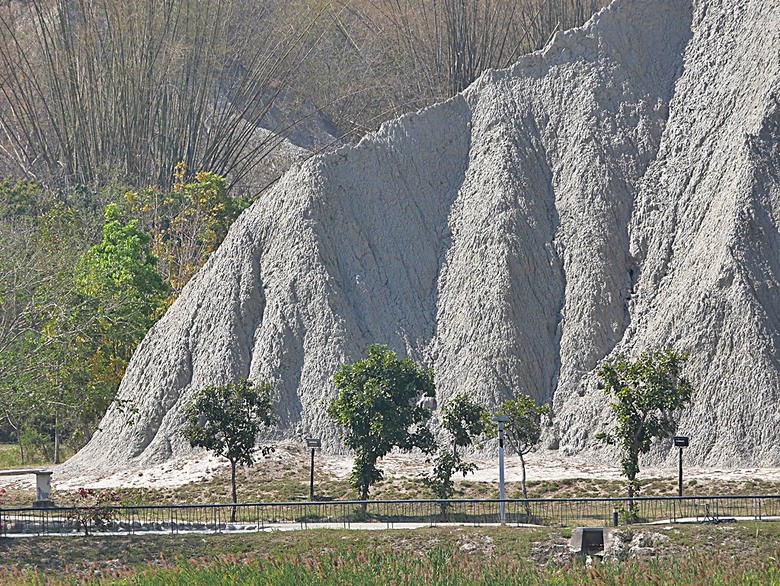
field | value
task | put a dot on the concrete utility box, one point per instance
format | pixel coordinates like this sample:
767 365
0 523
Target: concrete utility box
590 540
43 489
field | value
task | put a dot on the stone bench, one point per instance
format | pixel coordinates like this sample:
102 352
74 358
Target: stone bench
42 485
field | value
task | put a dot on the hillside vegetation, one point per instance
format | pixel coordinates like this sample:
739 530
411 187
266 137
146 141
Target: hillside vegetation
133 134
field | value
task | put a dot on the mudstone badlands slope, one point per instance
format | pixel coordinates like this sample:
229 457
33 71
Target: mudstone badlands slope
617 191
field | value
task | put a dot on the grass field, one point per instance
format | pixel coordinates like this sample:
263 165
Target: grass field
10 457
728 553
745 553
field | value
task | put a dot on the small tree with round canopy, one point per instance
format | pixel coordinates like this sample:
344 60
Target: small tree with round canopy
649 394
523 429
378 409
227 419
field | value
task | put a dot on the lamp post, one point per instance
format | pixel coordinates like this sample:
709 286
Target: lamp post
681 441
313 443
501 420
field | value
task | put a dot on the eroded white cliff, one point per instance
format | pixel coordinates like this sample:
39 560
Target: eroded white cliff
618 191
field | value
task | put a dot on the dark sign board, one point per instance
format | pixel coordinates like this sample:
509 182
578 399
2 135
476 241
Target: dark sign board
681 441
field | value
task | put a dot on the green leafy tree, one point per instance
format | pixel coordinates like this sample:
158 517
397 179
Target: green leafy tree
377 409
86 343
72 311
37 298
523 430
25 276
124 293
465 421
21 198
187 223
123 269
649 393
227 419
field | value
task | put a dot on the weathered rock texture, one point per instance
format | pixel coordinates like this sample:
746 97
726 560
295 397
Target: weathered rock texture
618 191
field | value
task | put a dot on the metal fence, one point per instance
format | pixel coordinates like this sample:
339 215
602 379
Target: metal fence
559 512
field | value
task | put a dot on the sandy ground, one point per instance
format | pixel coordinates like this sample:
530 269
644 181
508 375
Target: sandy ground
547 466
539 466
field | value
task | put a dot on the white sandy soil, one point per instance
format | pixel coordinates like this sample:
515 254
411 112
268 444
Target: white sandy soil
539 466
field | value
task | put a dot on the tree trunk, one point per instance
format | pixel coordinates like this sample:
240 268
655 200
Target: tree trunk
631 509
233 485
364 497
56 437
525 490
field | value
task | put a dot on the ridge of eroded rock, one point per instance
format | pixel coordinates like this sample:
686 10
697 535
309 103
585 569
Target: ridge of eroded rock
618 191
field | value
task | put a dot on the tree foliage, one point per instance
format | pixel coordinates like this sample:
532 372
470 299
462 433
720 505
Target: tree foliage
187 223
122 269
72 313
82 282
648 394
377 410
523 429
227 419
465 422
39 301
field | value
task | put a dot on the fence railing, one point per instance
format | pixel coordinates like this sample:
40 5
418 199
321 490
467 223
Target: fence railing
557 512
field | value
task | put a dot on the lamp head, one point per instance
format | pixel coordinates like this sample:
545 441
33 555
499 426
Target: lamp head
501 420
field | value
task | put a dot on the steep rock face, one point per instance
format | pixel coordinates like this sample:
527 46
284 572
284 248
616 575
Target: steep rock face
616 192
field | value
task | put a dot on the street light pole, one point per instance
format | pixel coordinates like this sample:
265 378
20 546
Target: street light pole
681 441
313 443
311 477
501 419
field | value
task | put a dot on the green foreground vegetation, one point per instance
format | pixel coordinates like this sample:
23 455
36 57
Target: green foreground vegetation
714 554
725 553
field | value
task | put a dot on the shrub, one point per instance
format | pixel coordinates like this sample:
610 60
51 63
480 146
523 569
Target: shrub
93 508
